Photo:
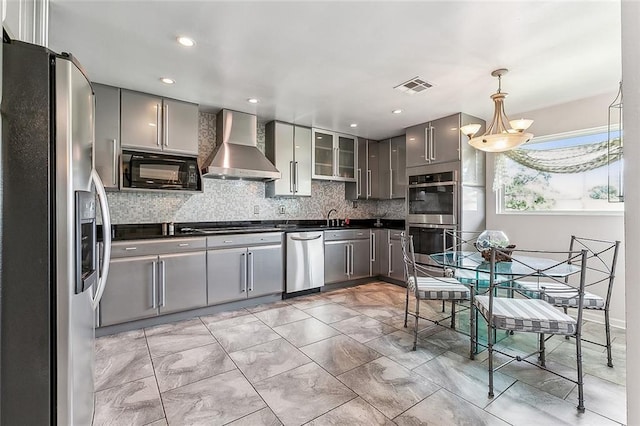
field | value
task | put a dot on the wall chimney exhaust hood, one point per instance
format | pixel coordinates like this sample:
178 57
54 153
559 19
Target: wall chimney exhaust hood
236 155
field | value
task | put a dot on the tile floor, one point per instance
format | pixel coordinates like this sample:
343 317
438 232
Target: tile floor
339 358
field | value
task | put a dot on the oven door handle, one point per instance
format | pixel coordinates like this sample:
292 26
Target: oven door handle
427 185
430 225
106 238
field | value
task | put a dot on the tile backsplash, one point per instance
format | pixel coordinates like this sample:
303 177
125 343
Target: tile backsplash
224 200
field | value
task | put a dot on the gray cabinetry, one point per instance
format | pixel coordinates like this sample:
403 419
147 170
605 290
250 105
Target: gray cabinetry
243 266
378 243
444 139
152 123
334 156
107 135
392 175
288 147
148 278
366 185
347 255
396 259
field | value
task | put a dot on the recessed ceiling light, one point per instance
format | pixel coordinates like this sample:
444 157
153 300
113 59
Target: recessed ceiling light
353 125
253 100
397 111
186 41
167 80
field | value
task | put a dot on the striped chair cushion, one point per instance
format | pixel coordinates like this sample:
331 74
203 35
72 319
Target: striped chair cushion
559 294
481 278
531 315
431 288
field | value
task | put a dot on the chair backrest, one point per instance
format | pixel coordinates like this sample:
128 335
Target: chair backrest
602 257
456 240
408 256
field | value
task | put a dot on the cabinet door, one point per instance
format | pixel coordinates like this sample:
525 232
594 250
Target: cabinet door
377 244
131 290
360 259
384 173
302 158
396 267
107 130
373 170
417 145
279 150
226 275
383 252
180 131
398 167
141 120
444 144
266 270
346 158
324 155
183 281
335 261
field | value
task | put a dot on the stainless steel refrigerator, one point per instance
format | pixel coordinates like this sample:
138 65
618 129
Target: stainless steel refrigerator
51 278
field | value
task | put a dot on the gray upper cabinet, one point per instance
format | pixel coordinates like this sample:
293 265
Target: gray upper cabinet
392 175
334 156
288 147
444 139
366 186
107 131
152 123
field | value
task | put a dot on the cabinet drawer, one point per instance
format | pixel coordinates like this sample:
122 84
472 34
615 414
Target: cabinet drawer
150 247
346 234
240 240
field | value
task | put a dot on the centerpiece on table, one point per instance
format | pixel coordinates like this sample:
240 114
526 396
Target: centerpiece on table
489 239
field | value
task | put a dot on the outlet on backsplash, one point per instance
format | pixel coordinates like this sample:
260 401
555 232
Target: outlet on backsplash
281 210
256 209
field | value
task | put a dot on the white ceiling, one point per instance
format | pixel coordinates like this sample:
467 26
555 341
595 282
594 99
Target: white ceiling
328 64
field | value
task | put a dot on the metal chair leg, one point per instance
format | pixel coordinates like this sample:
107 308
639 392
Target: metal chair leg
472 328
415 331
453 314
490 348
580 378
406 308
607 330
443 307
542 356
566 312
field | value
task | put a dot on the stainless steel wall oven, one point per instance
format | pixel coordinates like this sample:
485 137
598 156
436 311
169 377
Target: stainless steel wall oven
433 198
429 239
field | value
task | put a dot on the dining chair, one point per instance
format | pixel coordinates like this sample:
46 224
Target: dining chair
532 315
425 283
602 257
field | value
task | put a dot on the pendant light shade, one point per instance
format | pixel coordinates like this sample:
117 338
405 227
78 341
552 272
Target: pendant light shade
502 134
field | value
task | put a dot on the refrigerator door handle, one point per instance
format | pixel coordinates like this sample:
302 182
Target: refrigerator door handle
106 238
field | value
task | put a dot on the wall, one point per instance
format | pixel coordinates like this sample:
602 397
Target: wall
235 200
553 231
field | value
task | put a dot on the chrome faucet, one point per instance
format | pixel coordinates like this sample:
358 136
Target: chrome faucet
329 215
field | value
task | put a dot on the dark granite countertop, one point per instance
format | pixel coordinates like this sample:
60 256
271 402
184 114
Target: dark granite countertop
192 229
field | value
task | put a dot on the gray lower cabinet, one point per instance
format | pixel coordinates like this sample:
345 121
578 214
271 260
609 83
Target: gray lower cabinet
243 266
396 260
149 278
347 255
378 238
387 259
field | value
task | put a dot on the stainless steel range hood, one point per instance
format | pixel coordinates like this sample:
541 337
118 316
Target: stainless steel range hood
236 155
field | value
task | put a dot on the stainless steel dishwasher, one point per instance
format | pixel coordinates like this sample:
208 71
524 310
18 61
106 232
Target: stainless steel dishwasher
305 260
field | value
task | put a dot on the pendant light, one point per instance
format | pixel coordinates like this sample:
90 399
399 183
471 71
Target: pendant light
502 134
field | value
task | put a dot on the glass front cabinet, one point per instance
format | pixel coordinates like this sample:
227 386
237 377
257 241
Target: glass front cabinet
334 156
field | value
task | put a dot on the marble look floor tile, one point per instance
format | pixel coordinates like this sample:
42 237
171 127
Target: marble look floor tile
363 328
378 312
388 386
178 337
224 315
398 346
172 327
268 359
304 332
332 312
603 397
134 403
521 403
215 325
118 368
264 417
594 362
306 302
302 394
463 377
444 408
117 343
352 299
356 412
538 378
267 306
214 401
339 354
162 422
280 316
245 335
182 368
448 339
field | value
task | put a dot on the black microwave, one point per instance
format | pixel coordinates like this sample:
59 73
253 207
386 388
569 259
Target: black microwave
143 170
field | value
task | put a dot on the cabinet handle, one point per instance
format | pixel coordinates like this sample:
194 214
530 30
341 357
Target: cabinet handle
153 284
244 276
390 258
369 192
373 246
346 259
351 261
130 248
390 183
359 185
183 245
295 183
227 241
427 158
291 177
163 276
158 119
433 143
166 125
115 161
250 258
335 161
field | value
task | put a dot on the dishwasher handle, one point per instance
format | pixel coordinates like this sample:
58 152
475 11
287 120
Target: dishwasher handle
305 239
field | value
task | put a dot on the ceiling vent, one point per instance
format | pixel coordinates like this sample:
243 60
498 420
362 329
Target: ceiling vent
413 86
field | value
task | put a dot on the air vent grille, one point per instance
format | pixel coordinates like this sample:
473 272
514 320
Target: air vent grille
413 86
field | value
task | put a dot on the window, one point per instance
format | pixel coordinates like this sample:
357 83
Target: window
569 172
